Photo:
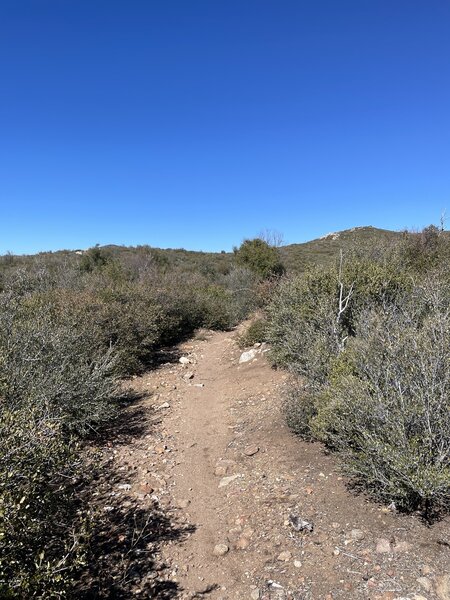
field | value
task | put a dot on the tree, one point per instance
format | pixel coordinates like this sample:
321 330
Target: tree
260 257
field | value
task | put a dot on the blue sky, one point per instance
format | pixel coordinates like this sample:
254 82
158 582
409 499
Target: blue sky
197 123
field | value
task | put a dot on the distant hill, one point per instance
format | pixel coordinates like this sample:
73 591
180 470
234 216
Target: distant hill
295 257
324 250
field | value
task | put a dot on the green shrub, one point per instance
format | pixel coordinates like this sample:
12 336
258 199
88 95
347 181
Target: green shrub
260 257
55 386
255 333
299 408
307 330
301 326
242 286
390 419
376 378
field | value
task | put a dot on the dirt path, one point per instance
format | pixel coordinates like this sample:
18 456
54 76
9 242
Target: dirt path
220 462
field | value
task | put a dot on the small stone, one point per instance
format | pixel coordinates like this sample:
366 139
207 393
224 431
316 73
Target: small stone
284 556
184 503
188 376
251 450
184 360
164 405
255 594
242 543
220 550
124 486
227 480
383 546
297 564
426 570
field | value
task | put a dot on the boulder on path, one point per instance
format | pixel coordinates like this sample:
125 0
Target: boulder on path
247 356
220 549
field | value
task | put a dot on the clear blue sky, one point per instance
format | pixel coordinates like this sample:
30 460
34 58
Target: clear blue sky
196 123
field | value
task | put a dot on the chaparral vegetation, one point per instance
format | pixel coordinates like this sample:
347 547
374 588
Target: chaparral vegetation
364 330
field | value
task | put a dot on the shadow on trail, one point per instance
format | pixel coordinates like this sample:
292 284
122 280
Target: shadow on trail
129 527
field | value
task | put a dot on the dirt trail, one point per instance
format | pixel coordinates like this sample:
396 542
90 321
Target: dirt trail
219 459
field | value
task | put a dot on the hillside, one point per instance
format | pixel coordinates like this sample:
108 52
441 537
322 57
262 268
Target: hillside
295 257
324 250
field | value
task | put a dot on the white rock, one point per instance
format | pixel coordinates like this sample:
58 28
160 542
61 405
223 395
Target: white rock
227 480
220 550
184 360
247 356
164 405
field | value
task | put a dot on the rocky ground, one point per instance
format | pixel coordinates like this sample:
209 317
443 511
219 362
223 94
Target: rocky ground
245 509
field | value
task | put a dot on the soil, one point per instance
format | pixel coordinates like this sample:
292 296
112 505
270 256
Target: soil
212 455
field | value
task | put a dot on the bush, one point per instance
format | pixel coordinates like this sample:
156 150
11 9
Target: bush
307 329
260 257
255 333
376 379
299 408
389 419
55 386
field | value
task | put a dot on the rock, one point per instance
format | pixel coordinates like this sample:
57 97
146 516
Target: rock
383 546
163 405
188 376
247 356
242 543
297 564
402 547
124 486
357 535
442 588
220 549
284 556
251 450
183 503
255 594
227 480
300 524
425 583
184 360
426 570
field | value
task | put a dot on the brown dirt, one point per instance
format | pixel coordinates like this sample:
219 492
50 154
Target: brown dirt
172 464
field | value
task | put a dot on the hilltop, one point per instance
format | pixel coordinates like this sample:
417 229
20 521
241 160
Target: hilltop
324 250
